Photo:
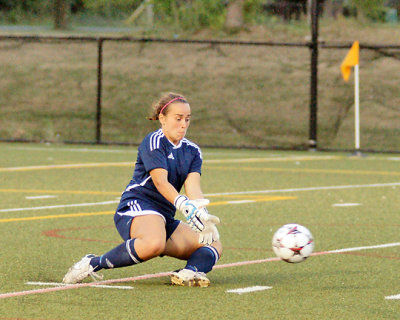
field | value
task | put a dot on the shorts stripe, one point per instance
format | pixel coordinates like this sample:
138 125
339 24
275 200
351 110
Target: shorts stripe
140 213
138 184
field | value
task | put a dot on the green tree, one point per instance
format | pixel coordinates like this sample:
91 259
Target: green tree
372 9
112 8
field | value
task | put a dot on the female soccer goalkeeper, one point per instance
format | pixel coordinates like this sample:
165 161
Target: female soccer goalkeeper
145 217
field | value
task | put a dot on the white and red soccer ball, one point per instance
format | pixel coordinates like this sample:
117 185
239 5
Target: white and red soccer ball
293 243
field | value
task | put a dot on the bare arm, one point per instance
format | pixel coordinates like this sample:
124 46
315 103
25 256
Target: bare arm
160 180
193 187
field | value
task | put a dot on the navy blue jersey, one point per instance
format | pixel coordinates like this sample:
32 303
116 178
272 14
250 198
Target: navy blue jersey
156 151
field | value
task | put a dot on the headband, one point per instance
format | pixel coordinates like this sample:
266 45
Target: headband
168 103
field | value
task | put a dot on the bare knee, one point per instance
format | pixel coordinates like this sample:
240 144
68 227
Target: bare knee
148 248
155 247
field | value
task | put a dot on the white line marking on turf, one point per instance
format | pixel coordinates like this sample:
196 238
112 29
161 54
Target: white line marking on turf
223 153
72 150
396 297
248 289
346 204
377 185
379 246
355 186
60 206
240 201
67 166
107 164
295 158
40 197
165 274
56 284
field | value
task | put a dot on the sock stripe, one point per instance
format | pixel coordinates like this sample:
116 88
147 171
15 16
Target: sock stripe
216 255
131 254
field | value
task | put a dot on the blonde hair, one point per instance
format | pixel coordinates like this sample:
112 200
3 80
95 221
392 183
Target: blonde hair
161 106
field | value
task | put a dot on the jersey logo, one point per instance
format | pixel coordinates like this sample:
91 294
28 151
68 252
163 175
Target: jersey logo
171 156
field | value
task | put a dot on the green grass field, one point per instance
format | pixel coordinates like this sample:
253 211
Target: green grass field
57 204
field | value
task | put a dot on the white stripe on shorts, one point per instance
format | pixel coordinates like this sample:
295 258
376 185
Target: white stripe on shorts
141 213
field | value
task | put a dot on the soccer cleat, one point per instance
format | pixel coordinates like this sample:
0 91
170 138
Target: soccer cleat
81 270
201 280
189 278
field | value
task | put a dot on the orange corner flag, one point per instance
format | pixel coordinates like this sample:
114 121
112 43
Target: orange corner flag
350 60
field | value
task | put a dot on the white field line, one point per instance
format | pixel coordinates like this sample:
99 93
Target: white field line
378 246
377 185
164 274
354 186
83 150
72 150
61 206
240 201
131 163
346 204
268 159
395 297
57 284
67 166
40 197
248 289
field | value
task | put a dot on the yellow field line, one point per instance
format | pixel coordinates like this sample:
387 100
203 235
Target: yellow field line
277 159
127 164
69 166
102 193
247 196
56 216
62 191
252 199
85 214
299 170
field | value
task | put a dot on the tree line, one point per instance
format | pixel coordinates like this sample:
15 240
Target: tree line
191 13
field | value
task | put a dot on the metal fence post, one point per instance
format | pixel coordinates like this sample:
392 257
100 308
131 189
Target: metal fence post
99 88
312 142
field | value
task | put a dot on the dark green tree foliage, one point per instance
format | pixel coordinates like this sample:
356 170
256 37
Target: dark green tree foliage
372 9
28 6
111 8
186 14
6 5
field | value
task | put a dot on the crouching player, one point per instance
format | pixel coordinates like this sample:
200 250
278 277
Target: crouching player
145 217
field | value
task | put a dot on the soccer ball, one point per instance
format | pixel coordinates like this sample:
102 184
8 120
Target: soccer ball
293 243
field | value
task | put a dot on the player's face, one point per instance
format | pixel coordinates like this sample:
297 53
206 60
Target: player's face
176 122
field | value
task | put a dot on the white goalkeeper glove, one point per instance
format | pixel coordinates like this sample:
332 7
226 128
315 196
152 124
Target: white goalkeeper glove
191 211
210 232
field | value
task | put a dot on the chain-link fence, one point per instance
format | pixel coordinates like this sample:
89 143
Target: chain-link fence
242 94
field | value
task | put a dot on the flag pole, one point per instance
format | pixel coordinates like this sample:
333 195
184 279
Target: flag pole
357 109
352 60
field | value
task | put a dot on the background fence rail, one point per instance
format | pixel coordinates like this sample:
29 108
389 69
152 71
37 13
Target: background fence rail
254 93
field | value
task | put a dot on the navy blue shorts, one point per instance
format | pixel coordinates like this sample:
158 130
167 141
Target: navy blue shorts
124 216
